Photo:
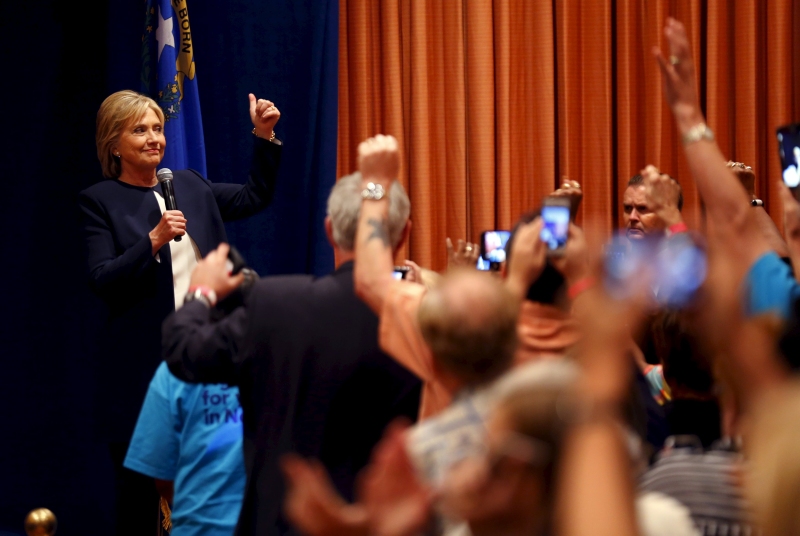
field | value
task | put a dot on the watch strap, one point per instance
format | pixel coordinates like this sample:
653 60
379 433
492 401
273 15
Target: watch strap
203 294
373 192
698 132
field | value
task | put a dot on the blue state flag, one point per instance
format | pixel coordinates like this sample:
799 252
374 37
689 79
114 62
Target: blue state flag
169 77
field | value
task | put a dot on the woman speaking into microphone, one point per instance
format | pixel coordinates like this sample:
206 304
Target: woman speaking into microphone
135 264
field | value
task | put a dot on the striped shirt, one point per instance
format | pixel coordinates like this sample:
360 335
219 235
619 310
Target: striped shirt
705 482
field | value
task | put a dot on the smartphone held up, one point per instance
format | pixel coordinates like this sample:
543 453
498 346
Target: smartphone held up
789 151
493 249
555 228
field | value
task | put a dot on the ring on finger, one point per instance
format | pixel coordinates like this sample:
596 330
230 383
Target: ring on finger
674 60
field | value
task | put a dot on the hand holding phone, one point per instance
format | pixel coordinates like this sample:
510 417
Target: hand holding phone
235 261
789 151
400 272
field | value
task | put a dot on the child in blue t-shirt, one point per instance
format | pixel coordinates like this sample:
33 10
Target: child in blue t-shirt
191 434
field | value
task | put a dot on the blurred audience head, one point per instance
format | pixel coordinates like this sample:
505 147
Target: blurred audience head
469 321
638 214
344 205
510 490
115 113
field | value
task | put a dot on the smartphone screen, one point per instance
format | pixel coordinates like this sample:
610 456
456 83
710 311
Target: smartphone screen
789 150
556 226
400 272
493 248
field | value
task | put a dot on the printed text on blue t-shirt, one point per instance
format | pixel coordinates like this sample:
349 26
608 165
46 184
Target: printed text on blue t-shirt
211 401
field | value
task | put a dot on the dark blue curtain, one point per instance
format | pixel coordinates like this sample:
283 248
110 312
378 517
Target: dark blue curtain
60 60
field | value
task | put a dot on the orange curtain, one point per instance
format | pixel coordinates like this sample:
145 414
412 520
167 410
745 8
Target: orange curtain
494 103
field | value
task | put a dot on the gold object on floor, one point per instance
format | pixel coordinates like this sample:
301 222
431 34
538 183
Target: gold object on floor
41 522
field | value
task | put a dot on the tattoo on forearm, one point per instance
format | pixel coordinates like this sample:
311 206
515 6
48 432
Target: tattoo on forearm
380 230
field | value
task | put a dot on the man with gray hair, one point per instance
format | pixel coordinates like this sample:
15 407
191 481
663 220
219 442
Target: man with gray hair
304 353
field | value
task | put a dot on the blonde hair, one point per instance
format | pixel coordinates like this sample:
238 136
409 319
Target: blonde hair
116 111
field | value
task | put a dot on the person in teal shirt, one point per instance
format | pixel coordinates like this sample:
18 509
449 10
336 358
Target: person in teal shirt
190 436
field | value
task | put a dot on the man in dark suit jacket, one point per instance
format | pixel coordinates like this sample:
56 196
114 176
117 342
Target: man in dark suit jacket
304 353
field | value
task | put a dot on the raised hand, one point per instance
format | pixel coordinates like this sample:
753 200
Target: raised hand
414 274
312 504
264 115
662 193
574 263
572 190
791 225
791 213
212 272
608 325
379 159
745 175
528 257
171 224
678 72
398 503
463 255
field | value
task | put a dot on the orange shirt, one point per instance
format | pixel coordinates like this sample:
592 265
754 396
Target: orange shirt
399 336
543 331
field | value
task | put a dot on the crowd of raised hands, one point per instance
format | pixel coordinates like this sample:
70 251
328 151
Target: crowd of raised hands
553 447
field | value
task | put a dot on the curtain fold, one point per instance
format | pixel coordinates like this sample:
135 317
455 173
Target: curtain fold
495 103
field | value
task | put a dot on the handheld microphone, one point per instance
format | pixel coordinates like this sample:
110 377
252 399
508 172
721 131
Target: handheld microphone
167 191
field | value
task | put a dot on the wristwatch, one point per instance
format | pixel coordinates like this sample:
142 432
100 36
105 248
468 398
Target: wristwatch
203 294
698 132
373 192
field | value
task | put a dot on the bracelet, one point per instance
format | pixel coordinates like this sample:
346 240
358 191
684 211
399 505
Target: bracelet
580 286
698 132
271 138
679 227
203 294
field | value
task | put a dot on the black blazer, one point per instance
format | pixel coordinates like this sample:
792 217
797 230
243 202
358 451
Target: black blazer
137 288
312 379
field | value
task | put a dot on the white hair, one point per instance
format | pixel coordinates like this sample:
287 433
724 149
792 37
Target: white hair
344 206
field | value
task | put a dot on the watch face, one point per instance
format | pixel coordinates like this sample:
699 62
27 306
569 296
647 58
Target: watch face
373 191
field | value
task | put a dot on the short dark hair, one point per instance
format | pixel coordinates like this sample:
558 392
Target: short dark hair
550 287
637 180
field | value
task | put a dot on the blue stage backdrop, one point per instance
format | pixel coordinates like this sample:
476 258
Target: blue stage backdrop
61 60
